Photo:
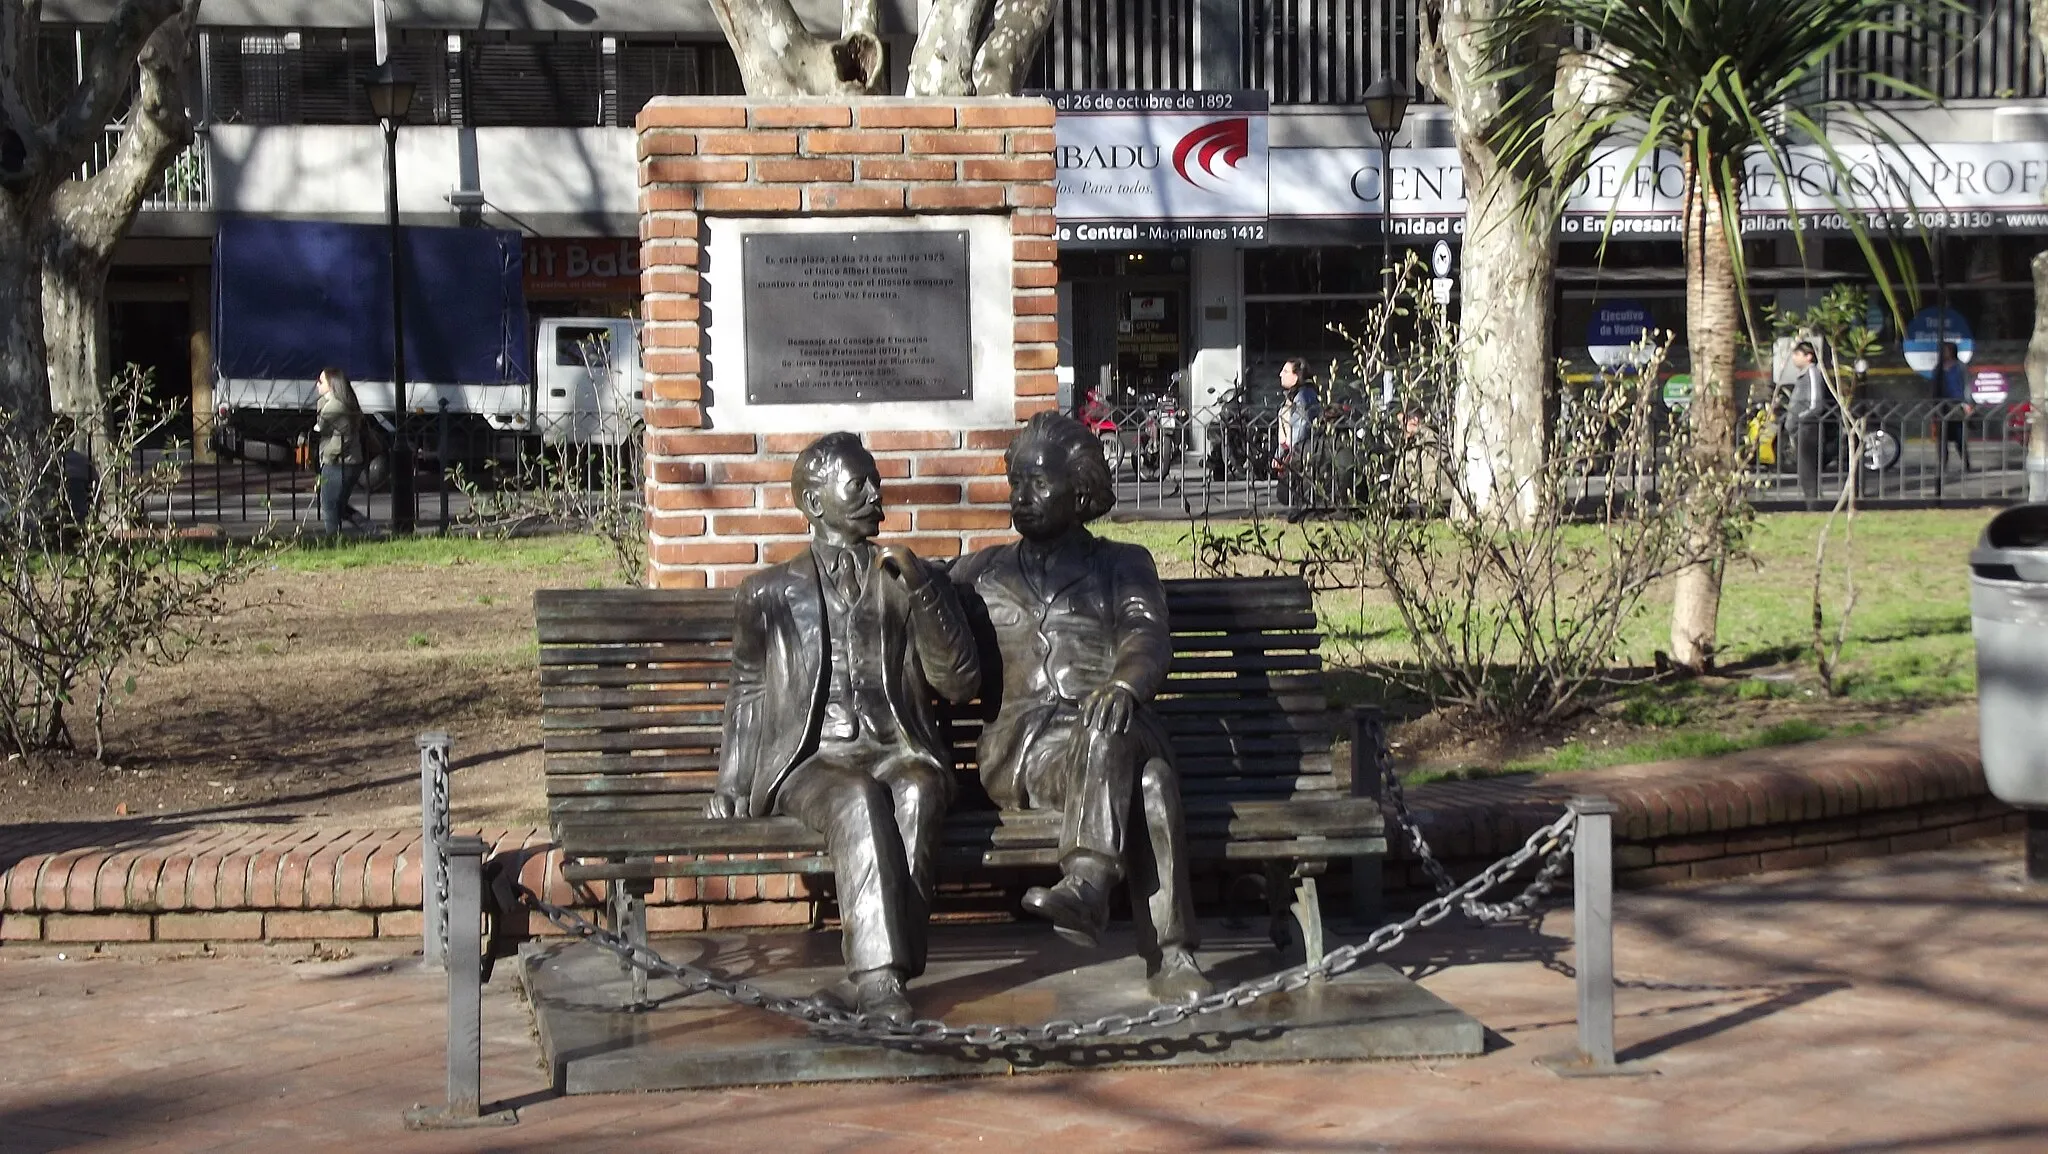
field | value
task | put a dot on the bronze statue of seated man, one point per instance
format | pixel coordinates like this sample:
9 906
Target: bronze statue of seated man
837 656
1081 636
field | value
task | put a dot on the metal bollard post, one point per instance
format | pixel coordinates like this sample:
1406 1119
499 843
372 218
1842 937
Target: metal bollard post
1593 946
1368 876
435 748
465 998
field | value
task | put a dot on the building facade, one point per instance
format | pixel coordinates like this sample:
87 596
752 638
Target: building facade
524 112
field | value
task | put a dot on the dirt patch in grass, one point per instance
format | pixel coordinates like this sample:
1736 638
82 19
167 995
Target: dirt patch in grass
308 706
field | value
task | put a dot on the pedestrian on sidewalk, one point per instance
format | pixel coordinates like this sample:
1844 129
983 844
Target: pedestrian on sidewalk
1955 415
1298 411
338 424
1807 413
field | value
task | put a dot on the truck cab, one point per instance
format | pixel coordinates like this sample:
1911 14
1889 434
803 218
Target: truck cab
587 381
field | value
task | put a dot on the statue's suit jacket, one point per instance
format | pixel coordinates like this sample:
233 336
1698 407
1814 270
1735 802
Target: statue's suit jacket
780 671
1099 617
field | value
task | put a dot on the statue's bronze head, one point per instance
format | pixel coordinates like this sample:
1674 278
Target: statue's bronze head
1059 477
837 486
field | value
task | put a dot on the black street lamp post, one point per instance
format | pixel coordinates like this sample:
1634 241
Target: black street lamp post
390 92
1386 105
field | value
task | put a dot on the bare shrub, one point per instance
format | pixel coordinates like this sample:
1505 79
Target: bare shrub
589 480
91 590
1514 605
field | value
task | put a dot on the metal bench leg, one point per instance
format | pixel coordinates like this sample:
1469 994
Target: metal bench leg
1308 913
629 919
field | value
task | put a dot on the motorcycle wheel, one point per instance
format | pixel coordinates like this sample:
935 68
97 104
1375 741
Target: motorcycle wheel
1113 451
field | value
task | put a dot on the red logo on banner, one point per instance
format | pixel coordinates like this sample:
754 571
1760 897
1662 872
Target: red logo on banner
1222 143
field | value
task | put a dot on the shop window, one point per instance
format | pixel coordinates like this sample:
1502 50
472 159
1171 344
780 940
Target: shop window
651 69
534 83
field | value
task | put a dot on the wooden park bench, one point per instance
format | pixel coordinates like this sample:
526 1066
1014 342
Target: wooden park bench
633 686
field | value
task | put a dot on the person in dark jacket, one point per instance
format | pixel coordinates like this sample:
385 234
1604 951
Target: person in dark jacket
1807 413
338 426
1951 386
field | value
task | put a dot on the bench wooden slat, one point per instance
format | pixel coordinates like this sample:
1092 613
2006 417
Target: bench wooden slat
624 764
586 677
627 719
614 655
623 698
633 688
1286 850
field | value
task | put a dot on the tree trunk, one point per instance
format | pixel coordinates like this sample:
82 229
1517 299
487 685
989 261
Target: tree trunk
75 329
1504 337
1013 39
778 56
88 218
24 371
1510 249
1712 320
2037 376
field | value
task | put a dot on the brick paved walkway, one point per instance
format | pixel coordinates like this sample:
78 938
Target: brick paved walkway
1875 1005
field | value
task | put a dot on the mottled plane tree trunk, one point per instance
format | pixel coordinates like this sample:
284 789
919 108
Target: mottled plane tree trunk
45 137
1494 89
960 50
88 217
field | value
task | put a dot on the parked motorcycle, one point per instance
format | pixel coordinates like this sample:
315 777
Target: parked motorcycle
1240 443
1162 437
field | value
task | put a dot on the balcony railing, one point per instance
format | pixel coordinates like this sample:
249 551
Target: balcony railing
185 186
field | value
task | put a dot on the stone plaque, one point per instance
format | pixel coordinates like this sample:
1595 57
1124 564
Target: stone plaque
856 317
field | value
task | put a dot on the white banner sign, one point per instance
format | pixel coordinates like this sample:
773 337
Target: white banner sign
1184 165
1951 186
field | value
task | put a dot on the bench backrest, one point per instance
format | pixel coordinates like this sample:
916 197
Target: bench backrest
633 688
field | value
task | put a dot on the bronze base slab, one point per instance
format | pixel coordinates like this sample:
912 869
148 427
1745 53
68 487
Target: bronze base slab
982 974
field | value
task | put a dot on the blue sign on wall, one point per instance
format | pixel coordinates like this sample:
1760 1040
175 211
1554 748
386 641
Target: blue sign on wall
1926 331
1617 330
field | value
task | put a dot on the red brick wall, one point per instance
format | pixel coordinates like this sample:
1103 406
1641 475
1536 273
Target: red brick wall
718 501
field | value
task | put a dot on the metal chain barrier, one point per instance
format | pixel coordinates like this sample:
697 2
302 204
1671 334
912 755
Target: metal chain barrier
1396 800
1554 840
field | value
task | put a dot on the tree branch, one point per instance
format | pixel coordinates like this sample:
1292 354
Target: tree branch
1013 38
109 71
778 56
943 59
94 213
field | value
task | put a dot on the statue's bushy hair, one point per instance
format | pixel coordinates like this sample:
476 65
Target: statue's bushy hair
1082 452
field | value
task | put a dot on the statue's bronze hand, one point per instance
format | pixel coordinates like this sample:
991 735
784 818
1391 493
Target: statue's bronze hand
902 564
1109 709
727 804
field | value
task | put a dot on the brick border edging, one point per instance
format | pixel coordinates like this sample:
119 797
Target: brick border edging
1777 810
1793 807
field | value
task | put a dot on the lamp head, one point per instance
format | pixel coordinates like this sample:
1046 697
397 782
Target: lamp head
1386 105
390 91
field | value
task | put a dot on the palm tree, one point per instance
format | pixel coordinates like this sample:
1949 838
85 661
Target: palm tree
1719 83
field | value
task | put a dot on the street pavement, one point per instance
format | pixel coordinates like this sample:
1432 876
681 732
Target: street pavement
1888 1004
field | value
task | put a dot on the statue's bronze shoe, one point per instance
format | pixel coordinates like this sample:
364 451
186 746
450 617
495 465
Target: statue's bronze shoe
1077 910
879 994
1178 978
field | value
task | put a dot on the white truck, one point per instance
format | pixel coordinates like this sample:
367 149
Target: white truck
578 384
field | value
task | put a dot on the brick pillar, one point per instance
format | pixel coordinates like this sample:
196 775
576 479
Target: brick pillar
718 491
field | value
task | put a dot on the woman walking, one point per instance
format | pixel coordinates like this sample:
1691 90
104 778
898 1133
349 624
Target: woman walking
339 427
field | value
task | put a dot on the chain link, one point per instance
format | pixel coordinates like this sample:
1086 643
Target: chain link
1395 799
438 839
833 1019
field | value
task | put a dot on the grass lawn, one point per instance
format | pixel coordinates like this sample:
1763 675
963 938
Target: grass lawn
1909 650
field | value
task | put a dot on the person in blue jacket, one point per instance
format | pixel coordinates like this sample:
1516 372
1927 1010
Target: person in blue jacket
1951 386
